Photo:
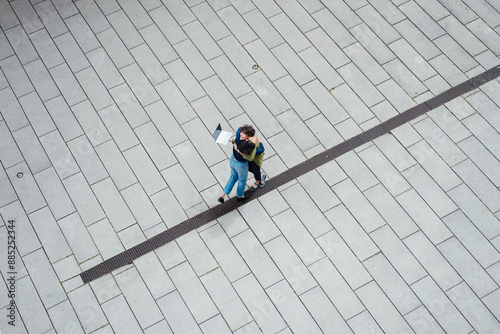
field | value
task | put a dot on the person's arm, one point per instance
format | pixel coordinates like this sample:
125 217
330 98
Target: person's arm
260 149
251 156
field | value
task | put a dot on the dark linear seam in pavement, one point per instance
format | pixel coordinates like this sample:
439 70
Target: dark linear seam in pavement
193 223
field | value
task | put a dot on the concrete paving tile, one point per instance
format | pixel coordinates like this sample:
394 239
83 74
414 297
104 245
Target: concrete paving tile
131 236
440 306
113 204
382 309
475 210
257 259
364 323
93 15
473 309
177 314
232 223
292 35
344 259
105 68
202 140
391 283
222 98
30 307
369 66
212 23
268 93
448 70
94 88
136 13
486 107
46 48
83 198
170 255
370 16
398 255
291 308
311 6
7 19
327 47
298 15
66 268
240 5
403 76
159 328
124 27
290 265
449 123
455 52
484 132
115 48
32 150
154 275
180 11
258 219
64 318
141 207
432 260
406 135
460 11
139 298
71 52
79 28
462 261
437 84
293 125
129 105
268 9
460 108
202 40
491 300
321 68
59 154
21 44
259 304
54 193
324 131
263 28
319 190
422 321
197 253
357 171
120 316
371 43
482 158
412 59
64 118
185 80
416 38
106 239
11 111
345 224
31 240
485 11
348 128
236 24
26 188
146 172
168 207
161 53
358 205
347 16
494 271
489 89
224 296
9 153
287 150
324 312
84 301
67 84
263 57
293 64
215 325
138 82
193 292
50 18
479 184
486 59
429 190
165 122
115 164
422 20
296 97
194 59
330 108
15 74
225 254
41 80
65 9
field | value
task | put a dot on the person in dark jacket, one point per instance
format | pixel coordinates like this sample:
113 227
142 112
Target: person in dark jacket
256 158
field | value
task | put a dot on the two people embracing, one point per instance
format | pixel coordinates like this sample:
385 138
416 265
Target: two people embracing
248 156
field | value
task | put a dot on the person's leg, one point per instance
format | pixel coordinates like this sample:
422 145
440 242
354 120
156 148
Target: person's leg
232 178
255 170
242 170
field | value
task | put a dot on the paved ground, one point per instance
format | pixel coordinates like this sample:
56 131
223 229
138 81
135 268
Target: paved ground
107 108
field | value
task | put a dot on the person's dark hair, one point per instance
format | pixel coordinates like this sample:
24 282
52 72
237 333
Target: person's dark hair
248 130
246 146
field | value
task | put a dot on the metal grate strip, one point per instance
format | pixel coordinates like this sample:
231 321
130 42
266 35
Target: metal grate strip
194 222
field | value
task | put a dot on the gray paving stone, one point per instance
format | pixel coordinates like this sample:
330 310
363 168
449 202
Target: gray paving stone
46 48
398 255
489 89
298 15
16 76
181 186
494 271
369 66
484 132
448 70
177 314
262 56
382 309
473 309
422 20
21 44
202 40
105 68
193 59
324 312
460 108
32 151
66 268
139 298
440 306
370 16
159 328
422 321
479 183
455 52
224 252
372 43
141 206
35 317
71 52
54 193
357 171
286 149
215 325
330 108
64 118
65 9
224 296
11 111
26 188
106 239
293 125
319 190
358 205
344 259
202 140
417 39
193 292
83 199
129 105
67 84
59 154
391 283
412 59
115 164
486 107
347 16
84 301
185 80
50 18
289 32
93 15
296 97
467 266
364 323
197 253
64 318
221 96
259 304
321 68
81 31
429 190
125 29
165 122
44 278
41 79
136 13
475 210
180 11
7 19
138 82
345 224
233 224
291 308
491 300
260 114
120 316
131 236
168 207
482 158
268 93
293 64
113 204
209 19
144 169
261 26
259 221
324 131
170 255
290 265
435 264
449 123
403 76
115 48
9 154
348 128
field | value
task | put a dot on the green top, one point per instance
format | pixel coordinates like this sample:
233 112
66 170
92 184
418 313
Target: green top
258 159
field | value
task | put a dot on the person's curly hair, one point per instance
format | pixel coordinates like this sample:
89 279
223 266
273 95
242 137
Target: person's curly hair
248 130
246 147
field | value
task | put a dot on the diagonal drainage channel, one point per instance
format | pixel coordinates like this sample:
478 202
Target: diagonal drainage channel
193 223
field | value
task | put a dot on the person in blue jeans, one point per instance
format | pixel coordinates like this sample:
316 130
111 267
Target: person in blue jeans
239 169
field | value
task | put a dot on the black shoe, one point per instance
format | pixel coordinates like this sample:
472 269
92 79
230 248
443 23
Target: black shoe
246 194
220 200
263 181
254 187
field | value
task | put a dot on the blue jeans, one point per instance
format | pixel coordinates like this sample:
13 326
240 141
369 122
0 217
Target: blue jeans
239 172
